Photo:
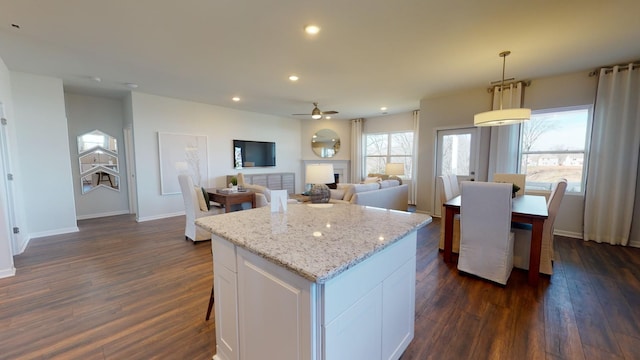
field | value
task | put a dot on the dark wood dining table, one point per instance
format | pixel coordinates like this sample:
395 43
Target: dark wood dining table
529 209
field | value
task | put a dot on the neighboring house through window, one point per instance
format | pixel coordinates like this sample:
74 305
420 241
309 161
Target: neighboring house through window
553 145
383 148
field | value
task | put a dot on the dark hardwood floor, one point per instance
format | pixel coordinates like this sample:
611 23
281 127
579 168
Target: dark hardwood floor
125 290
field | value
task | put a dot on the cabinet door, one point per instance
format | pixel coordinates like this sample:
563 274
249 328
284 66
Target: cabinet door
356 333
226 313
398 311
289 182
275 311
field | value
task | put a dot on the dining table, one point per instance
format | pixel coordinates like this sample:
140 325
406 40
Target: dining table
529 209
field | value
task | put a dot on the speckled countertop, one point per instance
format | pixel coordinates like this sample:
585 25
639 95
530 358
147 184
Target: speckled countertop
317 243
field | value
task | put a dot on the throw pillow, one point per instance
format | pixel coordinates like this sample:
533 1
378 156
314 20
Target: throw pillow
371 180
202 202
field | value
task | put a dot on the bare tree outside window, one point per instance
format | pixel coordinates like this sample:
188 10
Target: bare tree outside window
381 149
553 146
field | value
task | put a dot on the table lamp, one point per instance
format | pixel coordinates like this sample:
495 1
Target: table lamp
319 175
394 169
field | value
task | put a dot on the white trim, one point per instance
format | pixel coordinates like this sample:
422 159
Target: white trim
161 216
52 232
99 215
8 272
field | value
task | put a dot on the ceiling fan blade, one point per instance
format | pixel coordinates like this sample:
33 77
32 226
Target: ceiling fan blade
330 112
302 114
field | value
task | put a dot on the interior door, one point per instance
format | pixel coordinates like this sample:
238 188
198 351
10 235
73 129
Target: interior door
456 153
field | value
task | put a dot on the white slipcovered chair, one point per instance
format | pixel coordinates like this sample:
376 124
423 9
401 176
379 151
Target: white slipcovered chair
448 188
192 209
522 245
486 240
517 179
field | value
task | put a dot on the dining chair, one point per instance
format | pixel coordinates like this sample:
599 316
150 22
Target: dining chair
193 209
447 193
517 179
522 245
486 240
453 183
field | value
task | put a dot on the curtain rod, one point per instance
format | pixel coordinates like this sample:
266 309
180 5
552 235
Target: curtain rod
511 81
634 64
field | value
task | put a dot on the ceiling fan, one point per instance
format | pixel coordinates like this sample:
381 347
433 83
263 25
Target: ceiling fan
317 114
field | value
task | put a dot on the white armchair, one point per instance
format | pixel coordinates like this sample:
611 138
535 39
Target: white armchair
263 195
486 240
522 245
193 211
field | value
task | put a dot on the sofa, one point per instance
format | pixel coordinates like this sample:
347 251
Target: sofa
387 194
263 195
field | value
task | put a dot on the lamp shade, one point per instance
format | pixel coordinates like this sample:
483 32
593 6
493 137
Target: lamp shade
319 174
502 117
394 169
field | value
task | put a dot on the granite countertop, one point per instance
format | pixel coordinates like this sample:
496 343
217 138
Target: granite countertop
317 243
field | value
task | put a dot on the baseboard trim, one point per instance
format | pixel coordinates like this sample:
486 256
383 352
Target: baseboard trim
159 217
570 234
52 232
94 216
8 272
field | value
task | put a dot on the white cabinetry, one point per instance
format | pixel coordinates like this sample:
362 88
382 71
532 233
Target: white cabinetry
365 312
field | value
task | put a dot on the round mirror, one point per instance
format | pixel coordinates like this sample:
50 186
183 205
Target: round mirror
325 143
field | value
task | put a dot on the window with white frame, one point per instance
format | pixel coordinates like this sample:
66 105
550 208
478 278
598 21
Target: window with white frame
554 145
384 148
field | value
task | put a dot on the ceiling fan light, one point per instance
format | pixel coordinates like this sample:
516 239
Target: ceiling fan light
316 116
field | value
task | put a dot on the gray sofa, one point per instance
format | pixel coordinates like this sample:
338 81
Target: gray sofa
387 194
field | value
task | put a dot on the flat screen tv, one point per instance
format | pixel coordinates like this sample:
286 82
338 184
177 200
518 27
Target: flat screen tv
253 153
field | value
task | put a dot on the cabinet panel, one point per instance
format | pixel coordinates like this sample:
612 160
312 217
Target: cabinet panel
398 299
274 310
226 314
274 181
356 333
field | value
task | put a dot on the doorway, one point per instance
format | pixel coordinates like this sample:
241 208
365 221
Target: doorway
456 153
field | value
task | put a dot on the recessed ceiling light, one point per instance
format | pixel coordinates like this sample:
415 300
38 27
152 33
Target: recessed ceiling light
311 29
384 108
328 117
294 78
235 98
131 85
96 78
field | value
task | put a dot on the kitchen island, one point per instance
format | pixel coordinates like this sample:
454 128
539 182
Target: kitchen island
332 281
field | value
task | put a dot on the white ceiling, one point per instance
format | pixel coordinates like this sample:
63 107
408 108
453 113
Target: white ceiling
369 53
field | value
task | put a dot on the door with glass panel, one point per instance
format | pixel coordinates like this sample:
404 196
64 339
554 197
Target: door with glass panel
456 153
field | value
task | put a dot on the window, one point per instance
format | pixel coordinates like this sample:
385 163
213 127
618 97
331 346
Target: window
553 145
381 149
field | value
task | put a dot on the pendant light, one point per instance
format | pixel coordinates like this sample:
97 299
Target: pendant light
502 116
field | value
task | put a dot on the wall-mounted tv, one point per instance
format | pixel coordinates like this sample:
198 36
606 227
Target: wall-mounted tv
253 153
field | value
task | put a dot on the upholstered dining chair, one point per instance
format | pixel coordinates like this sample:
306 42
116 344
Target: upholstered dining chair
522 245
517 179
194 209
447 193
486 240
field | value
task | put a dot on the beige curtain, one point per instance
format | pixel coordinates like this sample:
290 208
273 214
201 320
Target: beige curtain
505 140
413 188
356 150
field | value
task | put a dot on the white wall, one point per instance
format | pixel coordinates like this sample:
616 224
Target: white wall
152 114
85 114
6 254
388 123
459 108
43 145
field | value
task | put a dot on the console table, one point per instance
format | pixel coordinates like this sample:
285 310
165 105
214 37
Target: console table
273 181
233 198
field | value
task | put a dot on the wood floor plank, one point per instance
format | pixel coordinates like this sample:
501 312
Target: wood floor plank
118 289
